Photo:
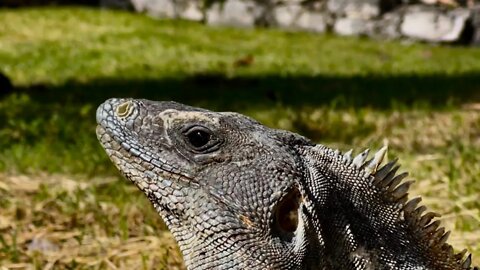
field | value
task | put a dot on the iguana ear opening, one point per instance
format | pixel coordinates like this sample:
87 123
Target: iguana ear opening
286 214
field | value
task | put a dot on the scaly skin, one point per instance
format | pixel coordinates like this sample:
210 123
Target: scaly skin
238 195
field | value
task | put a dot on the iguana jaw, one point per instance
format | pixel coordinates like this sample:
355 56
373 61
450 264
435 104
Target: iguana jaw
117 151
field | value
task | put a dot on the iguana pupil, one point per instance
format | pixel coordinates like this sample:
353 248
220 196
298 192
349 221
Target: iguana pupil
198 138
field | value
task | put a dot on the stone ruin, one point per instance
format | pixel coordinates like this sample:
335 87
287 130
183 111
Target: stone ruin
437 21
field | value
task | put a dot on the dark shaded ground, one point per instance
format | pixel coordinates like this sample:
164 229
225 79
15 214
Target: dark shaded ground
52 128
222 93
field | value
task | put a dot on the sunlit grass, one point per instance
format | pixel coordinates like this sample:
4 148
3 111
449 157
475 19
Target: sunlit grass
57 45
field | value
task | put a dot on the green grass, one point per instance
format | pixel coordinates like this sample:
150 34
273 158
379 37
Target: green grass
57 183
84 45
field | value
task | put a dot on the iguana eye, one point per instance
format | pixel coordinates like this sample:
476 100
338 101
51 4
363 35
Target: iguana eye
198 138
201 139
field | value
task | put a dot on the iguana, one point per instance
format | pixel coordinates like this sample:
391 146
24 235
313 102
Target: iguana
238 195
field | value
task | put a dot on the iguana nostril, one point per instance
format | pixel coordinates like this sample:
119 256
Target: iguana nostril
124 109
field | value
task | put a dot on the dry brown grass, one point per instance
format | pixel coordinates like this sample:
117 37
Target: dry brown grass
46 233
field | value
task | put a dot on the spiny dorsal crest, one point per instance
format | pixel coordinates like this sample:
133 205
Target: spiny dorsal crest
386 179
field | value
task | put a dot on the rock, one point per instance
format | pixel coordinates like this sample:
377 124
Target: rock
364 9
189 10
460 18
353 27
184 9
312 21
234 13
358 8
155 8
388 26
434 25
475 24
452 3
296 17
286 15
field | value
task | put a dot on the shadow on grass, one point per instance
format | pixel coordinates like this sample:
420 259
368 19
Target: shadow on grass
52 128
217 92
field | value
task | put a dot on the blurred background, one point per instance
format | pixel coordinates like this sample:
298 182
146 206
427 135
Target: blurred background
345 73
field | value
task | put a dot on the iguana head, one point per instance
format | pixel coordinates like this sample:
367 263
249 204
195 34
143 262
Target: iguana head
226 186
236 194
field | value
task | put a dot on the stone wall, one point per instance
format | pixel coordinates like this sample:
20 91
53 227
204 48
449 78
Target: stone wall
443 21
